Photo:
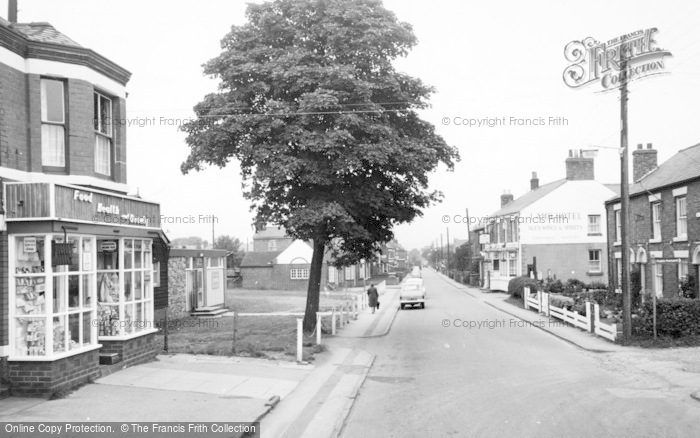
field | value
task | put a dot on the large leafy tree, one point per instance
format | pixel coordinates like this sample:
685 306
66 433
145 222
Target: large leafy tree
234 247
325 129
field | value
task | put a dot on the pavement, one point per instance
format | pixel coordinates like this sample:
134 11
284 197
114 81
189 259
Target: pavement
580 338
315 398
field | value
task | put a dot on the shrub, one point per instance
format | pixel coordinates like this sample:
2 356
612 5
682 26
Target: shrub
573 286
594 285
517 284
675 317
554 287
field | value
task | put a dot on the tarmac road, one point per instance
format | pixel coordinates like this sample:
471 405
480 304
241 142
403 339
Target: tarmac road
433 376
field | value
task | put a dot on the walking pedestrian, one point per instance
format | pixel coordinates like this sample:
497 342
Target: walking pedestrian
373 296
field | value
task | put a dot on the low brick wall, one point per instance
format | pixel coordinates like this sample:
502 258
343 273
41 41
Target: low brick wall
133 351
41 379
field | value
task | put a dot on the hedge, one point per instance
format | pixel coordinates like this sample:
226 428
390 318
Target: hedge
517 284
675 317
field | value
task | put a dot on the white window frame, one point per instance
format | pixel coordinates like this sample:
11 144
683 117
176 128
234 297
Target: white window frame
656 220
513 267
103 135
299 274
53 129
594 224
595 262
682 270
681 217
658 271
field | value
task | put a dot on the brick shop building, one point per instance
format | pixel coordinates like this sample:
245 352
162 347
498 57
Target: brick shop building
77 276
556 230
664 224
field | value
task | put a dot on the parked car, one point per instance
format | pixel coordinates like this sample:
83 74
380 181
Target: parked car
416 272
412 293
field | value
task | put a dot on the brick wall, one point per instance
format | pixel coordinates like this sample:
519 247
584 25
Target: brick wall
578 168
38 379
565 260
13 119
261 245
640 232
4 305
133 351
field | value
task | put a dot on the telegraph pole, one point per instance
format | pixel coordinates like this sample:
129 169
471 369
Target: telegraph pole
448 251
624 207
442 251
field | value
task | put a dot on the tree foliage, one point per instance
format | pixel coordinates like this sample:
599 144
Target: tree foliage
233 246
325 129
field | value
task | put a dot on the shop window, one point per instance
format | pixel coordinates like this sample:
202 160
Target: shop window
299 274
52 309
53 134
103 134
594 261
681 217
594 224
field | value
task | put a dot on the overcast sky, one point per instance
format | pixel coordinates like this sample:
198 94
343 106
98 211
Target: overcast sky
486 59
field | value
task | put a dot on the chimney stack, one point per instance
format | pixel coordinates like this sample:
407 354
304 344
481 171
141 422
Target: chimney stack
643 161
12 11
579 168
506 198
534 182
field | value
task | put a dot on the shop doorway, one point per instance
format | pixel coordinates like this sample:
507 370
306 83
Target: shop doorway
195 286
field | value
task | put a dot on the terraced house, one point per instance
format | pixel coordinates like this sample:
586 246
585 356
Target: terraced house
77 271
664 224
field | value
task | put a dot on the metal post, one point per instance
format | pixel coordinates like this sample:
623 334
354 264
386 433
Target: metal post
333 315
235 331
165 327
319 318
300 336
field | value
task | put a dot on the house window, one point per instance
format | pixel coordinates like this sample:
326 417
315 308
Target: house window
272 245
681 218
350 272
618 271
103 134
496 265
299 274
513 231
513 267
594 262
618 226
53 133
506 231
656 220
594 224
331 274
683 271
658 279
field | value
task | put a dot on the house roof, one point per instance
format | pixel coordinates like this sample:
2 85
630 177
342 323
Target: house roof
683 166
529 197
42 32
271 233
258 259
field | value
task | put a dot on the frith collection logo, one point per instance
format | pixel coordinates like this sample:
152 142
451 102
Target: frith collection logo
593 61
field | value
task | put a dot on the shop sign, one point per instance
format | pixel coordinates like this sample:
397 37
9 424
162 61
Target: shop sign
30 244
484 239
108 246
593 61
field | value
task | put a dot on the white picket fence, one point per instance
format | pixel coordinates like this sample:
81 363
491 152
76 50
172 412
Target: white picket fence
590 322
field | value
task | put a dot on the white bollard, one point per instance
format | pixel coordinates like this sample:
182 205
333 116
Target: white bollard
347 310
340 315
300 339
354 307
333 322
319 319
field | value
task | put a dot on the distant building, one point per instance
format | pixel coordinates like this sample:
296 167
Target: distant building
554 230
664 229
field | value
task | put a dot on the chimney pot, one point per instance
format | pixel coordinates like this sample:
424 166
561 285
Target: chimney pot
648 145
506 198
534 182
640 146
579 168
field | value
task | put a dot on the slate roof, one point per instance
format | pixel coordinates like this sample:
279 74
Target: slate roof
684 166
259 259
41 32
529 197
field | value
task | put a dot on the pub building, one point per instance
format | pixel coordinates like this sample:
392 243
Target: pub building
79 257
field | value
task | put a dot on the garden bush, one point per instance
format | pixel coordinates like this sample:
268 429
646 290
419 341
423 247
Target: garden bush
517 284
554 287
573 286
675 317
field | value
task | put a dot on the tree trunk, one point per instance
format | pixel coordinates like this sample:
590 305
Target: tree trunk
314 289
